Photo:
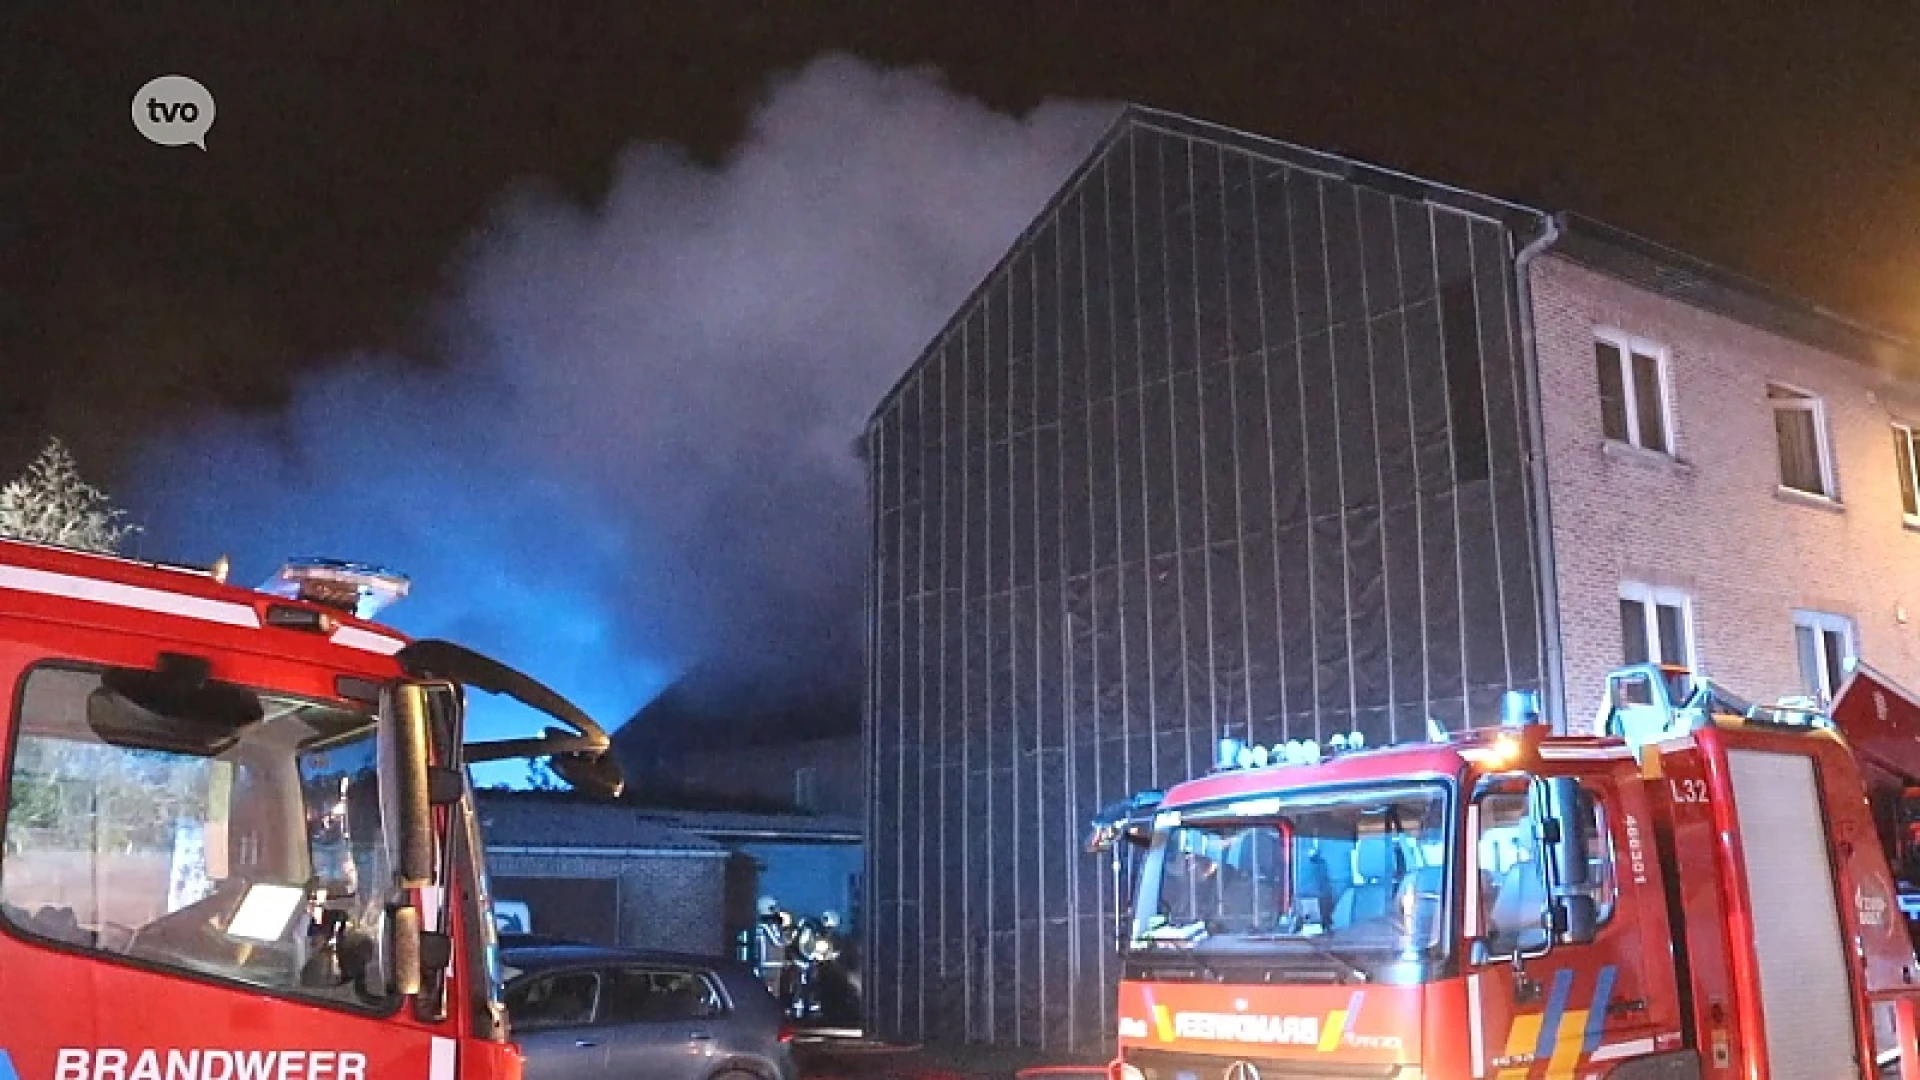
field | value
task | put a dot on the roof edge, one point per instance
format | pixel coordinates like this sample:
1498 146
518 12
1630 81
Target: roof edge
1344 166
1725 292
1712 287
1122 120
1131 115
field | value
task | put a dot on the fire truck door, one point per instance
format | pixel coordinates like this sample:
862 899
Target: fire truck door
1539 1006
157 907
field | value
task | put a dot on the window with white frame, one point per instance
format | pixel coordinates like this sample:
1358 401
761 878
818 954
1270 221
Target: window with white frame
1800 429
1825 644
1633 391
1656 626
1906 458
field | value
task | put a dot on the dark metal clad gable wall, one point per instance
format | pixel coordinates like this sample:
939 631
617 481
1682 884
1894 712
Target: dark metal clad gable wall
1228 445
1261 150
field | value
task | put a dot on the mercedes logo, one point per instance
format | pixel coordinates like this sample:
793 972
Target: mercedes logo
1242 1070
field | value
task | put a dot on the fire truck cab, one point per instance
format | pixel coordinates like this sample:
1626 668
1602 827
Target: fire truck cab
238 839
1714 898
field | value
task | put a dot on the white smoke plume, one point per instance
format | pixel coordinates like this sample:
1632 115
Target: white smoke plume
635 453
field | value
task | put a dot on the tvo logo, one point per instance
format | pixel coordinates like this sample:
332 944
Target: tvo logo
174 110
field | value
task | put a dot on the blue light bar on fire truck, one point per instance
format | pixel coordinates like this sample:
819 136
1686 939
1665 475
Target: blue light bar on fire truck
359 589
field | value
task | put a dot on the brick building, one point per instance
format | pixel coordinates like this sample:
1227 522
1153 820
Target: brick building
1745 503
605 873
1243 438
661 877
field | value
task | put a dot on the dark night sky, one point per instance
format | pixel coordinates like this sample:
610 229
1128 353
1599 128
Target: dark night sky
357 147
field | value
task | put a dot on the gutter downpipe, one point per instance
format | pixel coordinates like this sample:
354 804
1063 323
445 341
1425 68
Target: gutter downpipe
1552 655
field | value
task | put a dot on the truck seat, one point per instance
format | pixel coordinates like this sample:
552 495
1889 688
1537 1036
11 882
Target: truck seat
1517 916
1372 891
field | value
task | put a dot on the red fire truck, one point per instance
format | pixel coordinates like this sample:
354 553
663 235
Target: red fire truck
1715 890
239 840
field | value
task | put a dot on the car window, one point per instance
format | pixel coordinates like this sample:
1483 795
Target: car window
557 1001
639 995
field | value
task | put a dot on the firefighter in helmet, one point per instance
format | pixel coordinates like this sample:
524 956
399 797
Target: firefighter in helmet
774 941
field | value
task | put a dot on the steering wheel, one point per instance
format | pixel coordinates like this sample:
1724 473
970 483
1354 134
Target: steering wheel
1405 918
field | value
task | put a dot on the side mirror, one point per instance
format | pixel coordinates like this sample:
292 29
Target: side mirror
1564 834
177 707
408 967
1567 834
406 795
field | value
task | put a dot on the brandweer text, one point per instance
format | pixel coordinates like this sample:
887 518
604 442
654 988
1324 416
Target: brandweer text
110 1064
1241 1027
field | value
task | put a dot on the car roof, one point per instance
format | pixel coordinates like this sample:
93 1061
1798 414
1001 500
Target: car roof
533 959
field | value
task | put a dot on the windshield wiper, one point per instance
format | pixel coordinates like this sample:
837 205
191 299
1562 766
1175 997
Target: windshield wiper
1170 934
1347 966
1354 971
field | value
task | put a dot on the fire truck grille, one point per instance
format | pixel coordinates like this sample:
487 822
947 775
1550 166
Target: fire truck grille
1159 1065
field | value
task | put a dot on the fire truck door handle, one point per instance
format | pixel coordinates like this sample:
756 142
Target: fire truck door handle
585 1044
701 1036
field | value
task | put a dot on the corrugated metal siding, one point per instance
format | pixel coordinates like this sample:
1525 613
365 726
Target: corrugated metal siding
1227 446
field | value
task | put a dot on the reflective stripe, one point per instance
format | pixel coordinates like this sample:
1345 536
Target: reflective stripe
1584 753
432 899
1597 1012
444 1059
137 597
160 601
1549 1035
1567 1043
141 598
1625 1049
367 641
1475 1036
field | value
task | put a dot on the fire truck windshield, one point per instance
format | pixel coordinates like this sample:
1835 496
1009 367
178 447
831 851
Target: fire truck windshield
1347 874
258 857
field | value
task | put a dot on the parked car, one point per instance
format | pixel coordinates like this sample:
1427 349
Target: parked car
511 941
586 1012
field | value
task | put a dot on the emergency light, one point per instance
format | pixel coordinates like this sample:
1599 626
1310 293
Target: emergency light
1519 708
359 589
1231 753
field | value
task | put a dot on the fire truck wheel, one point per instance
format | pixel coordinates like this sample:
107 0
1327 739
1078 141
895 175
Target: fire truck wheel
737 1074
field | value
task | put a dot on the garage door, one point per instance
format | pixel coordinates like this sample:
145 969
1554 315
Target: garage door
579 909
